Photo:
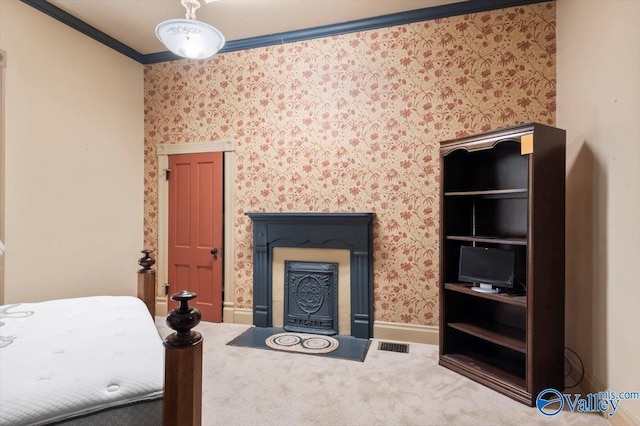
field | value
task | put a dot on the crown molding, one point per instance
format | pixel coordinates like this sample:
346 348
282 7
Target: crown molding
401 18
81 26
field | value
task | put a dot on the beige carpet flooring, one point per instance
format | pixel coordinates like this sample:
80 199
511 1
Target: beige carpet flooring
246 386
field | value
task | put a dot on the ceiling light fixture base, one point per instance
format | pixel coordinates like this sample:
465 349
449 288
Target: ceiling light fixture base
188 37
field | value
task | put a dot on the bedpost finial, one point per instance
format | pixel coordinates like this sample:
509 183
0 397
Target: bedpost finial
146 262
182 320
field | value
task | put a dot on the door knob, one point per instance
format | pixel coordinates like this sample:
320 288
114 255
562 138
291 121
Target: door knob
214 252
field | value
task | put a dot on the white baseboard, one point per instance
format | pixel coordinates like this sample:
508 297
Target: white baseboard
240 316
381 330
161 307
623 418
406 332
591 384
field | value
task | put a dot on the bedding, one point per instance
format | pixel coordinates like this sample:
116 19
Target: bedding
91 360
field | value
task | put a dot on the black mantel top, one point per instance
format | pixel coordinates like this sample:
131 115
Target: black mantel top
350 231
310 216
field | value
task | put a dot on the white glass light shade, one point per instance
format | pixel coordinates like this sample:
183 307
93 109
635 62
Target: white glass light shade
190 38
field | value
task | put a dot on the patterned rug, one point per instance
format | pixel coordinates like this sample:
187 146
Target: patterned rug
301 342
278 339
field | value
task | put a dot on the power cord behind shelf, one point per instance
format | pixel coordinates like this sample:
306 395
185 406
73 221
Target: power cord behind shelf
520 282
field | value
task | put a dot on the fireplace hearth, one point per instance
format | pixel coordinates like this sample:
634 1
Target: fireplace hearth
346 231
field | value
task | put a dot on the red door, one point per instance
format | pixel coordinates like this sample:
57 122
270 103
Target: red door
196 230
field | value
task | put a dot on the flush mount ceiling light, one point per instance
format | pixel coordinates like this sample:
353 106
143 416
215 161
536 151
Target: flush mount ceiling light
190 38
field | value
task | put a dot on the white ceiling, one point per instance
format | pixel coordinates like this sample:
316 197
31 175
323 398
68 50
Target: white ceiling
133 22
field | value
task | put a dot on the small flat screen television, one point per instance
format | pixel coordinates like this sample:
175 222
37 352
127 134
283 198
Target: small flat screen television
489 267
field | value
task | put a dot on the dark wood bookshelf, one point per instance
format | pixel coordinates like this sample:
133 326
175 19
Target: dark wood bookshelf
505 378
488 239
495 193
517 299
507 372
503 335
505 189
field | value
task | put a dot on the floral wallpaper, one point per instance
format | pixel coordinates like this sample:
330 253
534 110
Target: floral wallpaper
353 123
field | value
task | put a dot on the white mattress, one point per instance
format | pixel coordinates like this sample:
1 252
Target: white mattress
65 358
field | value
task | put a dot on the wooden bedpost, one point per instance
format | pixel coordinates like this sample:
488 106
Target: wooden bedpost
182 401
147 282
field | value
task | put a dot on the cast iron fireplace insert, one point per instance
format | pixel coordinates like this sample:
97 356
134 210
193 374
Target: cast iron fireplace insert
349 231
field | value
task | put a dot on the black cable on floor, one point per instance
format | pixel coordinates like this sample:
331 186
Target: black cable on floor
571 367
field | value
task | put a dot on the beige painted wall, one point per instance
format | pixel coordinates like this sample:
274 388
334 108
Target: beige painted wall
598 95
74 161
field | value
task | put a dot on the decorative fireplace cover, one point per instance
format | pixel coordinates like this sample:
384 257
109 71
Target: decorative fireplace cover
311 297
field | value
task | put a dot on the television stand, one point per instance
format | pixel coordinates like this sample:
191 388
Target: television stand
485 288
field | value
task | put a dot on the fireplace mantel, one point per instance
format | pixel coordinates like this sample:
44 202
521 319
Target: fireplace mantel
349 231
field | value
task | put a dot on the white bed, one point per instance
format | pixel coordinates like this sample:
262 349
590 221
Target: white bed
85 361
